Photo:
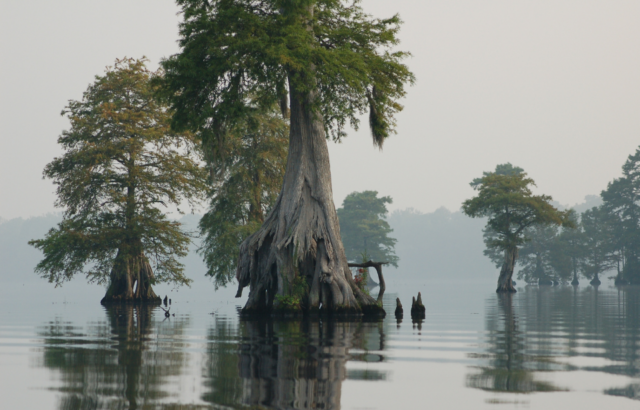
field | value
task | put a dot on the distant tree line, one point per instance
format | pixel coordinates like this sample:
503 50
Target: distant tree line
605 239
512 211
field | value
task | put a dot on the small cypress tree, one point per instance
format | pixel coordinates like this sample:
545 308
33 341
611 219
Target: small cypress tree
122 164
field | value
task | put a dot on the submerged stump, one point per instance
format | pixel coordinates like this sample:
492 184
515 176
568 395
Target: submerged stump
417 308
399 311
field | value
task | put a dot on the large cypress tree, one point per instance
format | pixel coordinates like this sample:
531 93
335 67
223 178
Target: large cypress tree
122 164
329 62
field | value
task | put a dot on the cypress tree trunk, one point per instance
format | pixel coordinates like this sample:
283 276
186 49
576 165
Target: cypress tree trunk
296 260
130 280
575 281
505 284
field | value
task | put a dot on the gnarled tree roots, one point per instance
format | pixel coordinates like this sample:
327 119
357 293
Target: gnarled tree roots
298 270
130 281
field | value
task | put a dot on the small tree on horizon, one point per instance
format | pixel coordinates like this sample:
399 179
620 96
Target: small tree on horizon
122 163
511 208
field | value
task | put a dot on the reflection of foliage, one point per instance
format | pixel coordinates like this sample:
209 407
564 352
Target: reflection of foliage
299 364
505 380
222 381
114 364
510 368
366 374
610 321
632 391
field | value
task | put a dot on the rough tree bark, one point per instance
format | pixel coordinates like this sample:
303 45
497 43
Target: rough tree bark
130 280
300 241
505 284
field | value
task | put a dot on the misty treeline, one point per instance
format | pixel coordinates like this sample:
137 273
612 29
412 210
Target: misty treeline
604 241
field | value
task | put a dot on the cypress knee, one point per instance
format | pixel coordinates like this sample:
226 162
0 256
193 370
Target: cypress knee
417 308
399 310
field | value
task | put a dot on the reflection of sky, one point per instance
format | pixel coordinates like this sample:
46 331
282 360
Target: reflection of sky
415 368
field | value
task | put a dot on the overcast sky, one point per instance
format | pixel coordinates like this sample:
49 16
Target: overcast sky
550 86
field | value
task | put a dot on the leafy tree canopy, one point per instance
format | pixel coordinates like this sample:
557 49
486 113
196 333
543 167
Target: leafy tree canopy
501 169
597 242
239 53
511 208
246 180
121 165
621 200
364 228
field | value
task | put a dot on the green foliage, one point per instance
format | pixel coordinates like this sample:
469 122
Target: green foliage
501 169
297 289
364 228
247 171
121 163
511 208
596 242
569 248
535 256
549 252
622 204
239 53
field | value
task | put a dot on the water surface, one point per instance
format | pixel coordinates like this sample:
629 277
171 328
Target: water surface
540 348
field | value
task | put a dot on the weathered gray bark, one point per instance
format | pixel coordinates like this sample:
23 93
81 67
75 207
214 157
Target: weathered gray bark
130 281
300 238
505 283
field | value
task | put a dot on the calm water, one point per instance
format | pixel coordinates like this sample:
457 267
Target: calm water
540 348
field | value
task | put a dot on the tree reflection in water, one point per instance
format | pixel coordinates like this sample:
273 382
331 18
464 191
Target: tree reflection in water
524 338
290 364
510 368
117 364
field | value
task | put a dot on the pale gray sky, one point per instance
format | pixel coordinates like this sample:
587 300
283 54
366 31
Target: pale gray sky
551 86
